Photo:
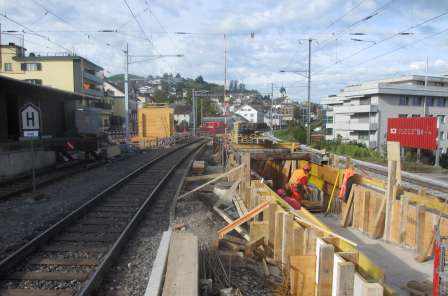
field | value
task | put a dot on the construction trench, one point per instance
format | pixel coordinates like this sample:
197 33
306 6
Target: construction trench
234 235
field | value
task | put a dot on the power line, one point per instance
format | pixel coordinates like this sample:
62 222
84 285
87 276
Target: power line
345 14
142 30
402 32
35 33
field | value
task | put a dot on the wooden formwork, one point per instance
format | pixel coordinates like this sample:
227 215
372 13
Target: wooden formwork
318 261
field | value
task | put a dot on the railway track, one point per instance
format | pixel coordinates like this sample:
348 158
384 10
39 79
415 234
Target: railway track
72 256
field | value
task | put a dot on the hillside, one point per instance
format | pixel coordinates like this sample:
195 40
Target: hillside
120 77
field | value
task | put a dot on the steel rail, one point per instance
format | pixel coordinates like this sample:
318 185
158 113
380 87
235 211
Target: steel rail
11 261
96 278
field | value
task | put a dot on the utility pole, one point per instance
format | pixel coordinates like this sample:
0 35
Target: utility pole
309 91
225 86
126 95
194 112
272 107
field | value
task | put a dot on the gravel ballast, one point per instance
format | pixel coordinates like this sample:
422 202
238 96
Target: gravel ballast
23 219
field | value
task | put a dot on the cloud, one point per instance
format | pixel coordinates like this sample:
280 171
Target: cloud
278 27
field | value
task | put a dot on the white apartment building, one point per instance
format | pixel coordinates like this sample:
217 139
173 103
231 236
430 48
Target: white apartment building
360 112
251 114
275 121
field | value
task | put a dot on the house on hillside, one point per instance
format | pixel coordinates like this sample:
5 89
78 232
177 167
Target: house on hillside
253 114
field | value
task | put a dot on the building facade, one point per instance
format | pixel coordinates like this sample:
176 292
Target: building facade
251 114
360 112
61 71
115 95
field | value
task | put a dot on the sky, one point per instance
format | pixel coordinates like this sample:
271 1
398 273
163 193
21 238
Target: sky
263 38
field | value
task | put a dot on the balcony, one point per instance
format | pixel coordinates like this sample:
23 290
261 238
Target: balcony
92 78
356 109
354 126
93 92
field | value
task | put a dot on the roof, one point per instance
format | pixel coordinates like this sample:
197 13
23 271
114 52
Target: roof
31 58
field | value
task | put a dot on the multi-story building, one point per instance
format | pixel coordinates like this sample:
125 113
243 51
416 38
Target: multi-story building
360 112
64 71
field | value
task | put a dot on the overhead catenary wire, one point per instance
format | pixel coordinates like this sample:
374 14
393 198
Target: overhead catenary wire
350 56
30 31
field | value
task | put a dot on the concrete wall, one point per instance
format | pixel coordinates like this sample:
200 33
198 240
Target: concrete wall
15 163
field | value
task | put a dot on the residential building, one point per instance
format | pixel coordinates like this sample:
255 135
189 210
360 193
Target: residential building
360 112
275 121
285 106
63 71
251 113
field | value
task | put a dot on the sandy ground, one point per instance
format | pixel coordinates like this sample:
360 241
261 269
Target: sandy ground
398 263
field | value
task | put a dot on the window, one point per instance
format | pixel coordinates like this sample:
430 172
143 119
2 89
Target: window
430 101
402 115
329 131
415 115
441 118
31 66
403 101
417 101
8 67
34 81
441 102
330 119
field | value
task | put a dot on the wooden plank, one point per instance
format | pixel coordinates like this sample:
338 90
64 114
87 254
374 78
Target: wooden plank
303 270
270 218
278 235
252 245
347 213
201 177
403 219
258 229
411 227
420 229
395 222
310 241
324 268
229 220
182 272
47 276
390 190
211 181
37 292
287 242
366 205
364 288
343 277
298 240
252 213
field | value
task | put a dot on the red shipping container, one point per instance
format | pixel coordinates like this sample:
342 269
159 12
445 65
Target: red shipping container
416 132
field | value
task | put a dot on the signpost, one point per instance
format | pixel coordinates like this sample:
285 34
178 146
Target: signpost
30 122
415 132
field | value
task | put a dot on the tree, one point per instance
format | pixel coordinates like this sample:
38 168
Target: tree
283 91
199 79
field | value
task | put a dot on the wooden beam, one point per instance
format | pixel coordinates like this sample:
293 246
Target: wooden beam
343 276
303 275
349 208
229 220
252 213
210 182
201 177
420 233
391 181
279 218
